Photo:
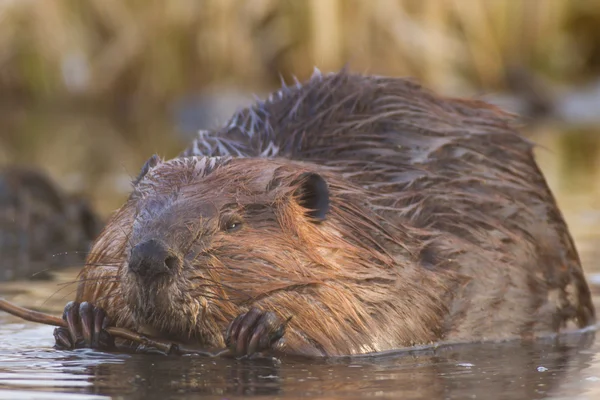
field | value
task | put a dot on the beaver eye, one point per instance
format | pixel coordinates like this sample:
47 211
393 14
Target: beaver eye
233 225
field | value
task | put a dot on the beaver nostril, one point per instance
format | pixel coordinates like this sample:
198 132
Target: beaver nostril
172 262
151 258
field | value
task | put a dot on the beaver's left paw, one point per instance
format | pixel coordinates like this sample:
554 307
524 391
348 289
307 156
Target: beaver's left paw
254 331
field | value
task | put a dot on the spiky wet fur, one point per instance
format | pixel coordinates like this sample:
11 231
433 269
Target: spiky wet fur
441 226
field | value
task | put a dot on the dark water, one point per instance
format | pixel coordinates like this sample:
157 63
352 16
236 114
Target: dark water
567 367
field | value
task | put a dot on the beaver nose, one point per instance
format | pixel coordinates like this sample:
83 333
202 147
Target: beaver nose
151 258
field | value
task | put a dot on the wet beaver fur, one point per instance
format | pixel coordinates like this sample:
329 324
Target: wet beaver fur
372 212
40 226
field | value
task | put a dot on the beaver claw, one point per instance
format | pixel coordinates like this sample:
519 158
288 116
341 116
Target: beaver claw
86 328
254 331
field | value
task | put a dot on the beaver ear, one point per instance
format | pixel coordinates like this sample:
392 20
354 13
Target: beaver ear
313 194
148 165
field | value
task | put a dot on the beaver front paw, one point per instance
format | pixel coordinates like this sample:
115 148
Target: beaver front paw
254 331
86 328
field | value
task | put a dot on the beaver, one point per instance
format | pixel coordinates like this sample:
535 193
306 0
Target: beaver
350 214
40 225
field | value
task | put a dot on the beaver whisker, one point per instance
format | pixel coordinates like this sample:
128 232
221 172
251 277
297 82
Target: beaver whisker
239 292
65 285
57 291
196 234
211 280
212 296
43 271
290 287
238 295
109 296
127 237
108 279
103 255
116 278
98 260
104 264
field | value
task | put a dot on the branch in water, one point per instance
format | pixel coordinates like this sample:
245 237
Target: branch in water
166 347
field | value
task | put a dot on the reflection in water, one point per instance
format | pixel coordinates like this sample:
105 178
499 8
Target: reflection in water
568 367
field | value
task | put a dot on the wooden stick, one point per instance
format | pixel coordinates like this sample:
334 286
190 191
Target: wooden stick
164 346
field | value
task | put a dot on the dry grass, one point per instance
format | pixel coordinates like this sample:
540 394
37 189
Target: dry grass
152 51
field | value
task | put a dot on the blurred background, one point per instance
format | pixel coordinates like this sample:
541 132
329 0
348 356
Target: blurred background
90 89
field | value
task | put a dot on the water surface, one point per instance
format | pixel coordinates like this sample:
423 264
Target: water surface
567 367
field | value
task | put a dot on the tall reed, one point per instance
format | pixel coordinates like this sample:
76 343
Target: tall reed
154 50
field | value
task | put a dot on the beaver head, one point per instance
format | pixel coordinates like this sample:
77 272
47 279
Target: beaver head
210 235
203 239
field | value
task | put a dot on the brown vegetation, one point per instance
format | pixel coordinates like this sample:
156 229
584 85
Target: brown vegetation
151 51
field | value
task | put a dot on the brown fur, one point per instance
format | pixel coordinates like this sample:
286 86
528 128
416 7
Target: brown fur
441 226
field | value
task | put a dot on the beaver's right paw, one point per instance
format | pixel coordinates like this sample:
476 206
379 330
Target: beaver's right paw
86 328
253 332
